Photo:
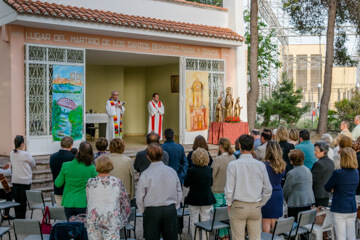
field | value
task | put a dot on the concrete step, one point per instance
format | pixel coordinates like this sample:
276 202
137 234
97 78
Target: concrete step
42 174
41 183
45 190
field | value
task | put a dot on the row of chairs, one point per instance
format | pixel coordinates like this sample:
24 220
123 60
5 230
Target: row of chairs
284 227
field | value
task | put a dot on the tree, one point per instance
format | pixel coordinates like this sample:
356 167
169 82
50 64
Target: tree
348 109
76 120
267 57
309 16
268 51
254 82
283 104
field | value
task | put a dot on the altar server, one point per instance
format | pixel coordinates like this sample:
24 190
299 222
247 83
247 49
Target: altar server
156 118
115 110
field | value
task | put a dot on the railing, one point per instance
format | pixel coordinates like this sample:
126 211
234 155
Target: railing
218 3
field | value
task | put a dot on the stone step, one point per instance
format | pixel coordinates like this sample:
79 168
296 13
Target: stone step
42 174
41 183
45 190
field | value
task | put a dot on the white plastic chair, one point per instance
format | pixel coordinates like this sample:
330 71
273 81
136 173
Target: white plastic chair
318 230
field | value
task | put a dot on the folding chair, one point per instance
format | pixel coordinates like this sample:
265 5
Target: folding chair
57 214
130 227
29 227
218 222
35 200
304 218
327 225
181 213
282 225
3 231
53 201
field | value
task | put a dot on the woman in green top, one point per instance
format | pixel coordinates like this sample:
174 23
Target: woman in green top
76 174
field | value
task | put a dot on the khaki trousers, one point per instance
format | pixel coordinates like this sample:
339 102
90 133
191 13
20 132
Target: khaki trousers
246 214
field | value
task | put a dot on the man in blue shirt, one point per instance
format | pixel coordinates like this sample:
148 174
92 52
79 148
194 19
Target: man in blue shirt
307 148
177 157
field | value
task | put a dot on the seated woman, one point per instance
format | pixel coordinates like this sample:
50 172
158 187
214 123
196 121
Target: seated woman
199 142
200 198
108 206
298 191
76 174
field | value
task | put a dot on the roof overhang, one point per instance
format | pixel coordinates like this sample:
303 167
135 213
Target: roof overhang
114 31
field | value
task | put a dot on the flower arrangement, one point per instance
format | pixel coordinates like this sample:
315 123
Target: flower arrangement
232 119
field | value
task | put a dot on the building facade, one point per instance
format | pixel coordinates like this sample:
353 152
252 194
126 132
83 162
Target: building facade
60 60
305 65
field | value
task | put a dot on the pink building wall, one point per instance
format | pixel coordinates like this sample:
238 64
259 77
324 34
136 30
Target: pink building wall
12 87
12 90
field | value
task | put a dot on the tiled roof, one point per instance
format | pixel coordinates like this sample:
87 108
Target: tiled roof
60 11
199 4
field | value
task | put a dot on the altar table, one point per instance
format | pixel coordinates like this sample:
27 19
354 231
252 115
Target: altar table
228 130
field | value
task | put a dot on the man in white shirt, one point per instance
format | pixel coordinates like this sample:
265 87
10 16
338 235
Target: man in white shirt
247 189
156 115
356 131
158 196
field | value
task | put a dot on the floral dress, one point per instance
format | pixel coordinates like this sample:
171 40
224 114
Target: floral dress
108 207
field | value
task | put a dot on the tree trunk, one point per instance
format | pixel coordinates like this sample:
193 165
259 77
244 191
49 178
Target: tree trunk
329 60
254 83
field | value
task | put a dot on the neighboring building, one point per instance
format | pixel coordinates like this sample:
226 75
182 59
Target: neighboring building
305 64
137 47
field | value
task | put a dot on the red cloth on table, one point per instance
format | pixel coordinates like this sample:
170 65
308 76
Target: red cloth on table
228 130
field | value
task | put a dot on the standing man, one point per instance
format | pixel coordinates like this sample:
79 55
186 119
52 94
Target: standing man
247 189
142 162
256 135
344 127
156 112
115 110
266 136
56 161
177 157
356 131
158 195
307 148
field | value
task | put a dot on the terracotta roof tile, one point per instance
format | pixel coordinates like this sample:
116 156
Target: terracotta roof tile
91 15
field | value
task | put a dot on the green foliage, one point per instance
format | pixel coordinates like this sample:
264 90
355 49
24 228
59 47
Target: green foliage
76 120
283 104
218 3
348 109
333 120
56 111
268 52
309 16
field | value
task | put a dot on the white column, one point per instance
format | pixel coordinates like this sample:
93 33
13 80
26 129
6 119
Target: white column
236 23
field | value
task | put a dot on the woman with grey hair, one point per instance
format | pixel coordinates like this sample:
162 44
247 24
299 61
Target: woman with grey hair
329 139
321 172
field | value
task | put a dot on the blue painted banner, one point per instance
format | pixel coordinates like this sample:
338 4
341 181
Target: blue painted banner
68 102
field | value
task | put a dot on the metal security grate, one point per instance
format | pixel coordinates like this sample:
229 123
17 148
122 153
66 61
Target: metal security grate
39 61
216 69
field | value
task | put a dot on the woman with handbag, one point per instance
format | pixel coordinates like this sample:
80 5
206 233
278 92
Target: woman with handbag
108 205
75 174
